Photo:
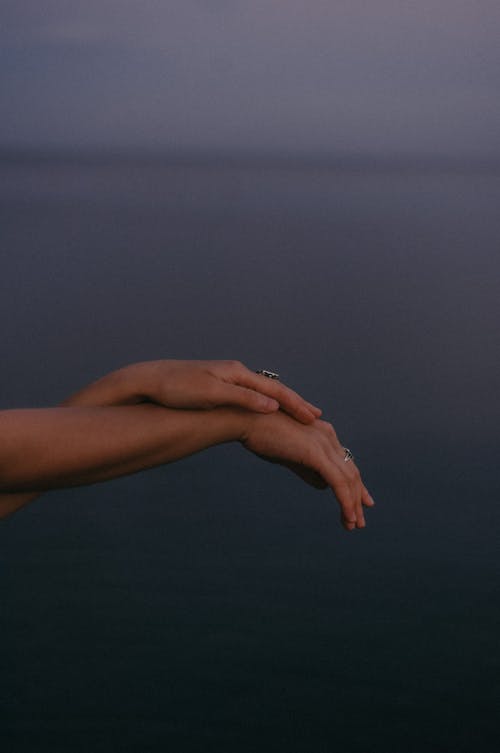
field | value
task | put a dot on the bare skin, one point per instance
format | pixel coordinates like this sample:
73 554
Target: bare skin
182 384
316 455
83 443
195 385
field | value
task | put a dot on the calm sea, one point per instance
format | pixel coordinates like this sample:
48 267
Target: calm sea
217 604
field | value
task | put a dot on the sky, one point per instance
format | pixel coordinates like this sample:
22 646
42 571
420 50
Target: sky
372 76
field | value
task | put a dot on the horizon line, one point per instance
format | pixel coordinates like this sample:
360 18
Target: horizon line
244 156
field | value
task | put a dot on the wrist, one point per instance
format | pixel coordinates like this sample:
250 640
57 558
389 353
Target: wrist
124 386
248 421
231 424
133 383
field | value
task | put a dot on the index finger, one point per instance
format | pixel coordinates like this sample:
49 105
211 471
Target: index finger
291 402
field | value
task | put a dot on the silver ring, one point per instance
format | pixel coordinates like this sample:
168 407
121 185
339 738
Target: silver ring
348 455
268 374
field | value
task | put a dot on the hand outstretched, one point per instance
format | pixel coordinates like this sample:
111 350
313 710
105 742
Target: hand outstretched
196 385
315 453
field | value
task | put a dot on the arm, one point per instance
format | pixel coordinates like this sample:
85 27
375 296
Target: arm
181 384
315 454
60 447
195 385
12 501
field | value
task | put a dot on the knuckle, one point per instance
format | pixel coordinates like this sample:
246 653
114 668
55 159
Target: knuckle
329 430
349 486
282 390
343 485
354 474
234 364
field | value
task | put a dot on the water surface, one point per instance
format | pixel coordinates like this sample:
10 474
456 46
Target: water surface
216 604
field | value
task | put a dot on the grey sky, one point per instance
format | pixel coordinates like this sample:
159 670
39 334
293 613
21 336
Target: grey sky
385 75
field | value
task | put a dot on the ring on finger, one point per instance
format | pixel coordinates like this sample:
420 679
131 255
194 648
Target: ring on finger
268 374
348 455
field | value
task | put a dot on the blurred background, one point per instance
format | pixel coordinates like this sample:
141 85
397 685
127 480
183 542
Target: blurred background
312 188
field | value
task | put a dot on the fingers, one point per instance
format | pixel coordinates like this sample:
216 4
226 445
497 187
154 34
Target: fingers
366 498
351 512
319 456
354 514
345 481
232 394
289 401
343 478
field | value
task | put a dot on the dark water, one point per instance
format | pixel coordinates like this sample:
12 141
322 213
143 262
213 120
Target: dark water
216 604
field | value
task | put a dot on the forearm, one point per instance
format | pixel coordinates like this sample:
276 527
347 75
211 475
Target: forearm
117 388
9 503
126 386
60 447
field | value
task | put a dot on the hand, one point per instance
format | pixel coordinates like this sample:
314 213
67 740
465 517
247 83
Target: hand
196 385
315 453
